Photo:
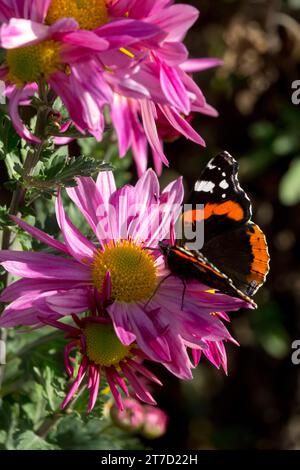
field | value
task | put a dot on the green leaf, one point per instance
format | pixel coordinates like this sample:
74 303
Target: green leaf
91 434
9 139
60 171
81 166
3 436
5 220
51 385
28 440
9 417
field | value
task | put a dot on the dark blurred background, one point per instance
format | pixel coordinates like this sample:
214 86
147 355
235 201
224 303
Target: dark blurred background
258 404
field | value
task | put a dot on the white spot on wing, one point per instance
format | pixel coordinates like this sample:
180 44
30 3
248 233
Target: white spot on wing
223 196
205 186
224 184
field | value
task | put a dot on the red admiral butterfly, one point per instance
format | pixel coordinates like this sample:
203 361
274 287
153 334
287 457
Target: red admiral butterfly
234 259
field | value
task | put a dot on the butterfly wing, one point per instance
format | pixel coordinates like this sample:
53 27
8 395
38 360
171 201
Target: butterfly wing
242 254
225 205
233 244
188 265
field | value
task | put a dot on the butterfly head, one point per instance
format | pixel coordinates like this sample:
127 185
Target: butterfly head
165 248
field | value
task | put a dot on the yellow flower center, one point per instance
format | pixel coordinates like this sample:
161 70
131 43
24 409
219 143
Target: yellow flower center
103 347
89 14
31 63
132 271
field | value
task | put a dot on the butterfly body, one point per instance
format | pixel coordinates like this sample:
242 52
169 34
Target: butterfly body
234 258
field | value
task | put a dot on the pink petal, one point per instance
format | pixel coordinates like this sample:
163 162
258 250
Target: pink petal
88 199
114 390
147 190
142 370
67 350
79 246
148 116
174 89
38 9
176 20
15 98
43 266
155 225
122 33
68 302
173 53
80 376
94 389
122 211
40 235
118 380
34 287
147 336
180 364
198 65
139 147
140 390
6 12
196 356
119 316
106 185
181 125
19 32
87 39
63 25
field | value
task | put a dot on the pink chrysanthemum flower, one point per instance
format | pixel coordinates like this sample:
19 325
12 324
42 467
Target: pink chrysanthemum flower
35 35
165 72
102 353
145 306
127 55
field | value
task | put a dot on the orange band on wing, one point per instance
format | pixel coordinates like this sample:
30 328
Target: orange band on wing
193 260
231 209
260 263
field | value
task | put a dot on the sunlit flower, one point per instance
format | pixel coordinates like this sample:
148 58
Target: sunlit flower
35 36
164 71
214 351
124 55
102 353
124 267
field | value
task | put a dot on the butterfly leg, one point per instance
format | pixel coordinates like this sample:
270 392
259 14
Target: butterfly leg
156 289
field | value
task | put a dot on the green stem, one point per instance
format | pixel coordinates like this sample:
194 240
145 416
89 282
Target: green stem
48 424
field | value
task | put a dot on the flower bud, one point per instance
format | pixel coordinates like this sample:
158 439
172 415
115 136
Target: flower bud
155 422
131 418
